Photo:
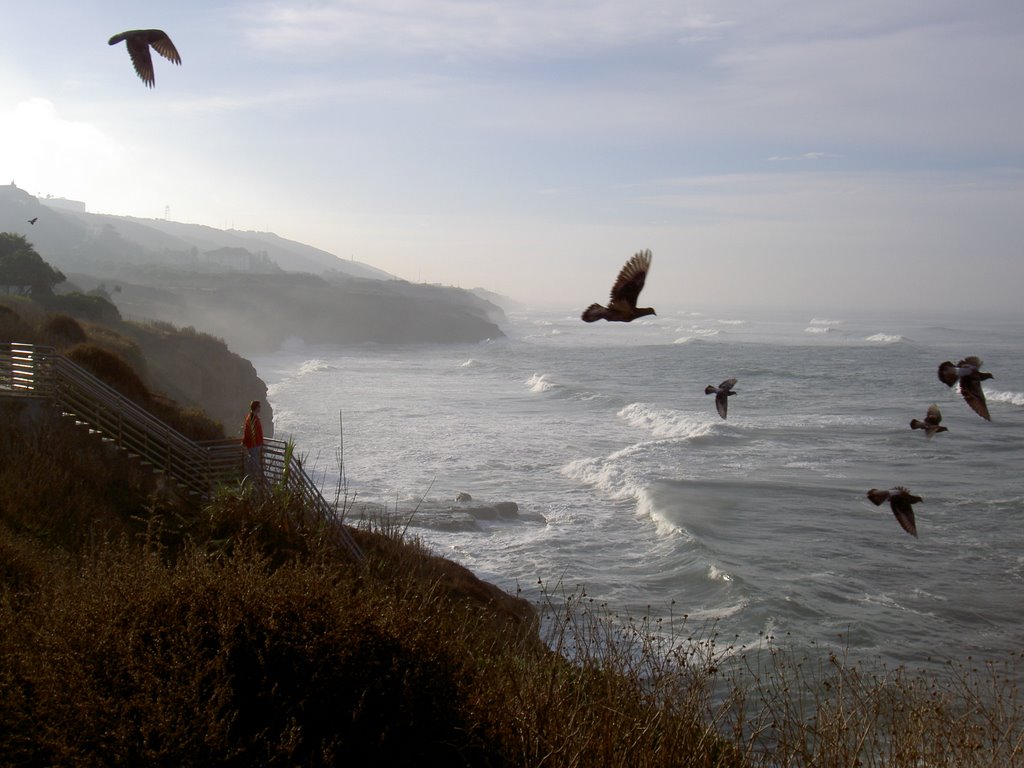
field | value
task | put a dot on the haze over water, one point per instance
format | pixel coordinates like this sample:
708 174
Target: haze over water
629 484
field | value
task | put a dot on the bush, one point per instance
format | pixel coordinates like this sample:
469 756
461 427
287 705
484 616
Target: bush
60 330
94 308
12 327
111 370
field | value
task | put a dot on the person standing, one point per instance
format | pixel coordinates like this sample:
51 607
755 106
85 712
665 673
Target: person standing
252 440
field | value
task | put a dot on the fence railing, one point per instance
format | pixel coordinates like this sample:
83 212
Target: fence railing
29 370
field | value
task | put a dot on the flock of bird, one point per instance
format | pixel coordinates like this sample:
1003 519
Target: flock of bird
622 304
966 374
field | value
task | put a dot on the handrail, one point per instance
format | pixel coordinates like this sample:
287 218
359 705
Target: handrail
29 370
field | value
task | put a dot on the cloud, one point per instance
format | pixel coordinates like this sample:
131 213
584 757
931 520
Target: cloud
454 27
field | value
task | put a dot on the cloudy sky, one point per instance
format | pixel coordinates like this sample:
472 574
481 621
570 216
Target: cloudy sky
836 154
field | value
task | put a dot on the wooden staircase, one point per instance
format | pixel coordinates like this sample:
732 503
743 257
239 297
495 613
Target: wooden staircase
34 371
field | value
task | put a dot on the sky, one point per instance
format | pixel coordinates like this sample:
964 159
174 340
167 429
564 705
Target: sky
836 154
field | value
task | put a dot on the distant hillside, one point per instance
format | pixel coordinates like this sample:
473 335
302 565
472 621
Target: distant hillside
256 313
253 289
94 243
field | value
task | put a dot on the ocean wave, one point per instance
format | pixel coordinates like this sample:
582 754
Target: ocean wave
823 321
664 422
717 574
818 329
471 363
613 475
886 338
606 474
1013 398
316 365
540 383
732 322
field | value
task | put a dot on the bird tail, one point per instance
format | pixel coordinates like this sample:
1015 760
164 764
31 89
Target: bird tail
593 312
947 373
709 390
917 424
878 497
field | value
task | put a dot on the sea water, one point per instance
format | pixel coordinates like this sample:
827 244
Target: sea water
631 487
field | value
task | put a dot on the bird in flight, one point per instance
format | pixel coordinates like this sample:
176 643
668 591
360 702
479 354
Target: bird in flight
622 306
901 502
139 42
968 372
931 422
33 220
722 392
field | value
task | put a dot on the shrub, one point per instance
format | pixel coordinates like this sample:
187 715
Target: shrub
13 328
60 330
94 308
110 369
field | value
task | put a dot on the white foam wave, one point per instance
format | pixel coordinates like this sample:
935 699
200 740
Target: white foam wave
885 338
817 329
717 574
1013 398
316 365
684 340
732 322
823 321
471 363
613 476
539 383
606 474
662 422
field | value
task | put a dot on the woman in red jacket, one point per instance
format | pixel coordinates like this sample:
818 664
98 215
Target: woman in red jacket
252 439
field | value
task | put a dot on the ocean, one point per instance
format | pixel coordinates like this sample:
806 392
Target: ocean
630 487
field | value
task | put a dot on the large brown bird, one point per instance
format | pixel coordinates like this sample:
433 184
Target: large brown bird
139 42
722 393
931 422
968 372
622 306
901 501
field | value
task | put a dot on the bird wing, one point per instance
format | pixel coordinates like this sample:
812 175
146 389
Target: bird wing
162 44
138 49
728 384
970 388
722 403
934 416
631 279
904 513
972 360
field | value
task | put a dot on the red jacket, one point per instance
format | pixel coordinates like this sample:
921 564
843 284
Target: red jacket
252 435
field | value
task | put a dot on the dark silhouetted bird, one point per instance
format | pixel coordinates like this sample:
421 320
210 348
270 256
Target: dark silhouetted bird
722 393
139 42
33 220
968 372
622 306
931 422
901 501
